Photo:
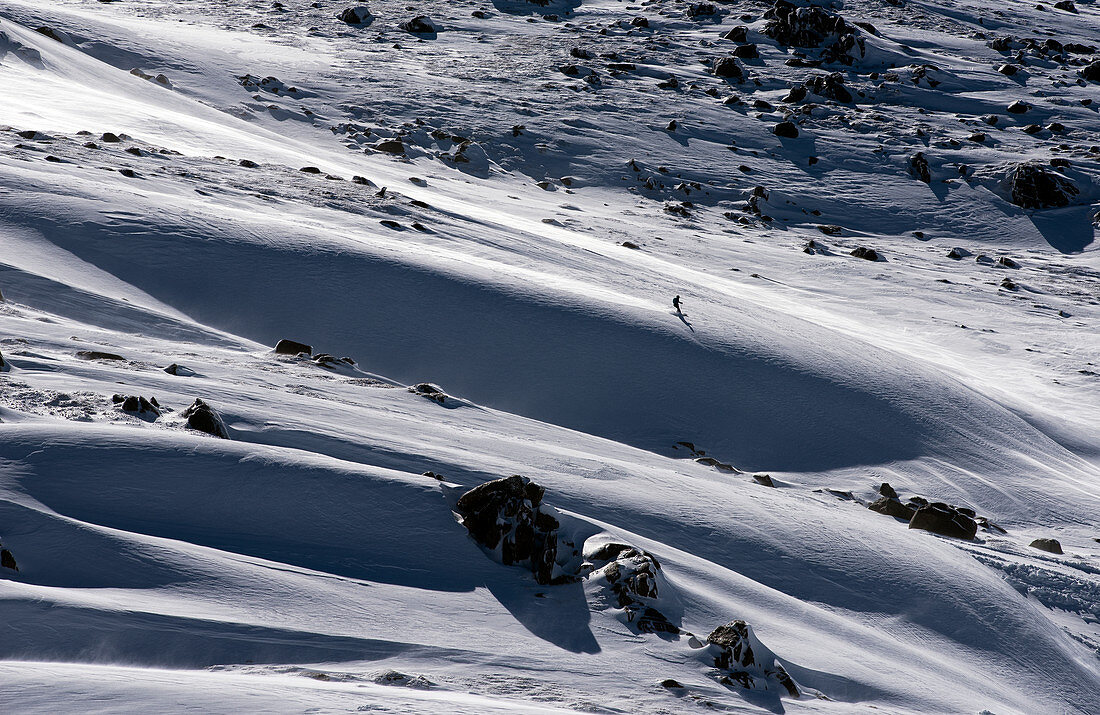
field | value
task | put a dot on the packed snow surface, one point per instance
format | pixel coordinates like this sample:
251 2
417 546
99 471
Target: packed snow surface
879 218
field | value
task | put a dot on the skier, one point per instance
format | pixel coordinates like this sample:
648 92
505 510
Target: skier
676 304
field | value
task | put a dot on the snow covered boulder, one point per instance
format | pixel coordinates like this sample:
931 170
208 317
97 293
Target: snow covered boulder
504 517
945 520
357 15
749 664
204 418
628 578
1034 186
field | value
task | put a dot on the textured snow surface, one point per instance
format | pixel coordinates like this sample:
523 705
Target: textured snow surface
547 192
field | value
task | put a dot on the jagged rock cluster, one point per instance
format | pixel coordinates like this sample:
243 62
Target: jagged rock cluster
506 517
959 522
814 27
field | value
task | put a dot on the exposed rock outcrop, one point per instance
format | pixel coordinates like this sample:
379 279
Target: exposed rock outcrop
204 418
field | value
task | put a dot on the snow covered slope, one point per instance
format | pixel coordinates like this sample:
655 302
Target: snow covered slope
504 209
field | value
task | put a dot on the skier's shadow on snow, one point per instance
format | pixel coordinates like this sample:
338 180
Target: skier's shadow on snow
683 319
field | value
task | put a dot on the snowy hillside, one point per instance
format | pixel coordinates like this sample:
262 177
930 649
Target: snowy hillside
855 468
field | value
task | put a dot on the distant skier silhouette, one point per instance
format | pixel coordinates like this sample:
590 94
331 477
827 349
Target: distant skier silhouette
680 313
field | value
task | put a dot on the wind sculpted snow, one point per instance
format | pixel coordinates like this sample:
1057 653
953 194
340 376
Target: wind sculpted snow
498 213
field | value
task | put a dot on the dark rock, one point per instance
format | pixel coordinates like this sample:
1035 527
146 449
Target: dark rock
1048 545
671 684
640 22
1018 107
136 404
110 138
887 491
1008 284
310 170
764 480
787 130
1090 72
420 25
869 254
830 86
943 519
797 94
1006 262
746 52
7 560
128 173
505 513
97 355
1034 186
727 68
1008 70
891 506
204 418
390 146
918 167
357 15
1066 5
247 164
738 34
291 347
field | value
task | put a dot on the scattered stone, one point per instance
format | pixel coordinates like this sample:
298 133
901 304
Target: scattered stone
433 392
97 355
892 506
786 130
310 170
1049 545
728 68
887 491
747 52
865 253
390 146
764 480
944 519
357 15
137 404
958 253
291 347
1019 107
1090 72
204 418
420 25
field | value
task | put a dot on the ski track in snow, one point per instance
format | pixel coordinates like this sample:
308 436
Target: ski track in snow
535 223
